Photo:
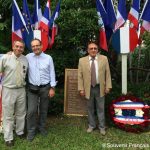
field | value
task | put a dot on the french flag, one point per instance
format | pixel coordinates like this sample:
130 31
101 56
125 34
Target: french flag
101 14
18 22
121 14
44 23
39 34
125 40
133 15
145 16
53 25
111 18
37 14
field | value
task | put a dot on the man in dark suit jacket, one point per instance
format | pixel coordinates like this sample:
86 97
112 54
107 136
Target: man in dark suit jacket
100 88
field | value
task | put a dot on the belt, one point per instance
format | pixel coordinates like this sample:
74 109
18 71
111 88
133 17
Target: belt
96 85
43 85
40 86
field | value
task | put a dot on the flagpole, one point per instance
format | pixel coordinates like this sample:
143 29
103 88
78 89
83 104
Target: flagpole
124 73
143 9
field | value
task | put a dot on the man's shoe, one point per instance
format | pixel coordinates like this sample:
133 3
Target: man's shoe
22 136
9 143
89 130
102 132
30 137
43 132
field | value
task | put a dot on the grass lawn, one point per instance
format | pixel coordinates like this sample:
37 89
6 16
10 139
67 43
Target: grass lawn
69 133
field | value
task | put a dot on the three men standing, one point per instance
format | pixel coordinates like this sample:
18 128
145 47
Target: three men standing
94 82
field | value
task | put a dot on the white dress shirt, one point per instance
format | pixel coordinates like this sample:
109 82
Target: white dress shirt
41 69
96 67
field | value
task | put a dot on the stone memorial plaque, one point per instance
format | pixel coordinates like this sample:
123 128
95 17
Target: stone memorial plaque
74 104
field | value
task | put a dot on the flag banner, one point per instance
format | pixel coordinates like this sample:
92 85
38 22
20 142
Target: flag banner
25 27
55 14
102 12
17 22
28 21
121 14
52 24
125 40
111 18
41 35
44 23
53 34
102 35
145 16
37 14
133 15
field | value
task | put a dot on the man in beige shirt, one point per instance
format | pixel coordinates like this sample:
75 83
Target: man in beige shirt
14 68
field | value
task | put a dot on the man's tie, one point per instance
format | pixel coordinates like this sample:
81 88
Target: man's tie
93 73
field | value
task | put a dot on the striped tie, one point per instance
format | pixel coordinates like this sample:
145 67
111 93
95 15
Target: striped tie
93 73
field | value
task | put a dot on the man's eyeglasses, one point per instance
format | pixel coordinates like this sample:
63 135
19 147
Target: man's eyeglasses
93 48
35 46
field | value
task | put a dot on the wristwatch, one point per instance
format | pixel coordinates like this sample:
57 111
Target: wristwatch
53 87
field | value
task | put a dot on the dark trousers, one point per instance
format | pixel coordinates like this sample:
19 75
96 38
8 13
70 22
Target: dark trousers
99 101
37 100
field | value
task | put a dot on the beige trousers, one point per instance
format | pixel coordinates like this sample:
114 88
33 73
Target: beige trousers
14 111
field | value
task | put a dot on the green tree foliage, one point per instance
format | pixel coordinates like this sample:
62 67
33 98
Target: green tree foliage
77 24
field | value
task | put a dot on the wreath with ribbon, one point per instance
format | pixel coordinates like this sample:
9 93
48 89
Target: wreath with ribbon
130 113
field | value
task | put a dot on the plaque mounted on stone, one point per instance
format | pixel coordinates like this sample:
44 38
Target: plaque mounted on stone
74 104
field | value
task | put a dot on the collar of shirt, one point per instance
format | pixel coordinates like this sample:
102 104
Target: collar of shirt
17 58
90 58
38 55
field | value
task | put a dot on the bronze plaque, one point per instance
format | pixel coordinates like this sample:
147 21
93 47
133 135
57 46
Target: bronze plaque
74 104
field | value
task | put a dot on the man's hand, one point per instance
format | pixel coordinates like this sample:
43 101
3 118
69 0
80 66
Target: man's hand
107 91
51 92
82 93
9 53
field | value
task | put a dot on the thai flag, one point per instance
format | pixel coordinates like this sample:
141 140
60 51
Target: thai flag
129 120
129 105
121 14
53 25
145 16
17 22
37 14
44 23
101 15
111 18
133 15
